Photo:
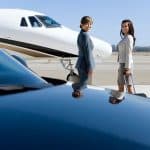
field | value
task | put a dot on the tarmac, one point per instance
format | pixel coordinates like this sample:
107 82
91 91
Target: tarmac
105 73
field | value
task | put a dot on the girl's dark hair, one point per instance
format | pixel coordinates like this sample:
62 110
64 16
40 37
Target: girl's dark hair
131 29
86 19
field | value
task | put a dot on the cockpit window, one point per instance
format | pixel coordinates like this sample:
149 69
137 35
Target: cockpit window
34 22
48 22
23 22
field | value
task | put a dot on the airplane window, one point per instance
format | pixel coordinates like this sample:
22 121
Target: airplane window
48 22
23 22
34 22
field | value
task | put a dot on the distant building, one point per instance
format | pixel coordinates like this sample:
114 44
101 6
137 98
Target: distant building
137 48
114 49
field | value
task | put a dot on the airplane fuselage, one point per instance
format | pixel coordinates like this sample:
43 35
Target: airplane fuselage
36 34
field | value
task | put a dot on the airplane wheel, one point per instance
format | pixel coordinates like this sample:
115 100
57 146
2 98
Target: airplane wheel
73 77
21 60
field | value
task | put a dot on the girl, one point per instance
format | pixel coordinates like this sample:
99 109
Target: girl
125 48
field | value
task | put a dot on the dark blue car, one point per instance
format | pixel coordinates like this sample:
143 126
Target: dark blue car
41 114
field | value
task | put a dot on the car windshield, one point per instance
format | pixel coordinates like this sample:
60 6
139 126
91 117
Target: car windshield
48 22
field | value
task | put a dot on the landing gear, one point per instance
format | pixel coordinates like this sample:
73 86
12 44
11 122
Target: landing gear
72 76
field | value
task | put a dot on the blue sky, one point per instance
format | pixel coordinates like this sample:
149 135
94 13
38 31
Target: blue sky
107 15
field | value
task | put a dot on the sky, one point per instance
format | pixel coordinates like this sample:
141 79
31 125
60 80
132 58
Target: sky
107 15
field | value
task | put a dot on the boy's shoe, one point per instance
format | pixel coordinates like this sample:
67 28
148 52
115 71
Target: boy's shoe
76 94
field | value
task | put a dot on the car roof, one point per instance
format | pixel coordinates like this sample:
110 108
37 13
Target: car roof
14 73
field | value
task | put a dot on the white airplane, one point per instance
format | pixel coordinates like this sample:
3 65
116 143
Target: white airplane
36 34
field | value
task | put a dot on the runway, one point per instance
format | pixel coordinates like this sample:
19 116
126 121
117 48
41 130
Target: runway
105 74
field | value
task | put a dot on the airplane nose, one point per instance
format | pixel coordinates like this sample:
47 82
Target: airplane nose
102 49
106 50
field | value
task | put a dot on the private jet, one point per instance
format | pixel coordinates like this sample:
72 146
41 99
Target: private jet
40 113
36 34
